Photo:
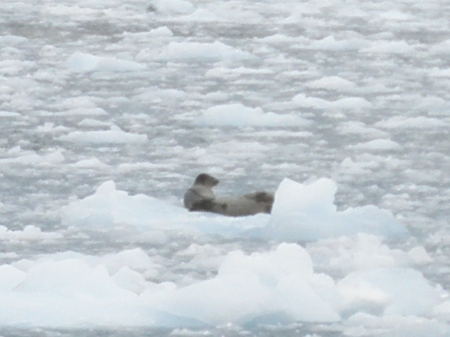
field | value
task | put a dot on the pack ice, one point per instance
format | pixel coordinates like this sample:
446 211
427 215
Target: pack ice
275 286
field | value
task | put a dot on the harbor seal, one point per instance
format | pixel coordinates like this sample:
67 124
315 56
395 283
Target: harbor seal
200 197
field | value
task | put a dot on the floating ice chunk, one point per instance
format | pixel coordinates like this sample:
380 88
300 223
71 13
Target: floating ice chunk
310 102
113 136
308 212
201 52
129 279
442 48
242 116
221 72
349 103
332 83
287 259
49 127
144 218
351 167
359 128
29 233
204 15
161 32
12 40
420 122
390 47
395 15
81 62
109 207
75 290
331 44
78 12
85 111
255 287
363 252
377 145
301 212
92 163
419 255
135 259
443 310
363 324
153 95
89 122
9 114
390 291
17 156
69 276
78 102
68 293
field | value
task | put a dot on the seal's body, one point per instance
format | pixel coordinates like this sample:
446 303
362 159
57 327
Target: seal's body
249 204
200 197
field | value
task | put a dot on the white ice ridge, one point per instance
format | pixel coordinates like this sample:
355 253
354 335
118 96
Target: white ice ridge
301 212
279 285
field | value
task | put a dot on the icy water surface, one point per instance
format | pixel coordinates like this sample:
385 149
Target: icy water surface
149 94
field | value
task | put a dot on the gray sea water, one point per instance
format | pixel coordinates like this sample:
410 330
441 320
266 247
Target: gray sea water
370 79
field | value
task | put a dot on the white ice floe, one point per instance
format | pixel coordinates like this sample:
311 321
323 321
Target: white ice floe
92 163
251 288
420 122
113 136
361 129
12 40
330 43
390 291
332 83
390 47
279 285
301 212
308 212
110 207
75 12
9 114
377 145
364 252
243 116
348 103
29 233
16 155
82 62
201 52
442 48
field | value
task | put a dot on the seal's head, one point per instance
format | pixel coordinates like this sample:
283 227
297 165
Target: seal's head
206 180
